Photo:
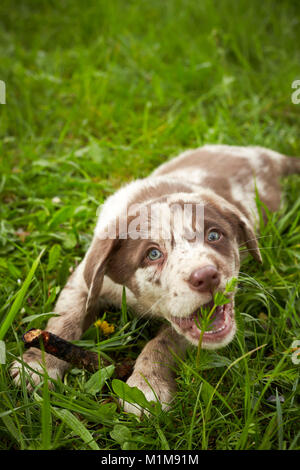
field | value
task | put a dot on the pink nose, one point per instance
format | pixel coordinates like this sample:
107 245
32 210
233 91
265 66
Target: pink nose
204 279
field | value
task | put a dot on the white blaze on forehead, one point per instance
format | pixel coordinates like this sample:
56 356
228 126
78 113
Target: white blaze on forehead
160 221
171 220
117 205
195 198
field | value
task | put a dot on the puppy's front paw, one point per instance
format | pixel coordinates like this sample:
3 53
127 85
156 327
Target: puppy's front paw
154 389
55 369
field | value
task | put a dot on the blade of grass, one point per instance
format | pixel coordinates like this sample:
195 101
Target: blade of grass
162 437
279 422
16 306
124 316
295 440
72 422
193 371
46 421
77 427
242 440
222 377
12 429
266 442
191 431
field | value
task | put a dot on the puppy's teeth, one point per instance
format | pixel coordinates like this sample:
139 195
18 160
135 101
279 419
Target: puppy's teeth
211 332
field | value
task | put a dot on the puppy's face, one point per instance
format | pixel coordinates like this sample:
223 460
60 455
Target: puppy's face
176 259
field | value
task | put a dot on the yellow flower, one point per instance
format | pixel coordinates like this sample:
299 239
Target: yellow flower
106 328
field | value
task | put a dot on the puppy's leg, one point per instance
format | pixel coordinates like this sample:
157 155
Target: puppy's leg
154 369
70 325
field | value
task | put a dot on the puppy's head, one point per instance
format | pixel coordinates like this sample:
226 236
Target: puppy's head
174 253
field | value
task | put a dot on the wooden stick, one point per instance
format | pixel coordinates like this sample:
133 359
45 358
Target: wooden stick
68 352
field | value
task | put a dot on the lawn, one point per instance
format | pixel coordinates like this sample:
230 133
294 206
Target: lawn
97 94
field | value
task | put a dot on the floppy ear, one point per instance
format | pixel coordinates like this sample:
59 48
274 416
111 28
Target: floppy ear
96 262
248 238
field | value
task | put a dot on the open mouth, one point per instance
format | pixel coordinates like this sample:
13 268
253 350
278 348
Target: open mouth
219 330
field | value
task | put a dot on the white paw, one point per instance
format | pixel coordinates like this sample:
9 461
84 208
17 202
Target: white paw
154 390
33 377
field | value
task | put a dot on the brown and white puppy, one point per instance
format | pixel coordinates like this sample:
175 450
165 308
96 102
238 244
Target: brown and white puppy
170 261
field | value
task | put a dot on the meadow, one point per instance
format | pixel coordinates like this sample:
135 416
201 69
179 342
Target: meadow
98 94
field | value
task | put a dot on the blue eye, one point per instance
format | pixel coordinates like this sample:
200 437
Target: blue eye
214 236
154 254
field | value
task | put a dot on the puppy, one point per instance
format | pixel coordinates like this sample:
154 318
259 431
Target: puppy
173 240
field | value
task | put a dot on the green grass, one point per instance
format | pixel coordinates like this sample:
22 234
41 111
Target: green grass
97 96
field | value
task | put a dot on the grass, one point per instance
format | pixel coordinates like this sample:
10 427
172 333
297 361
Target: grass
96 97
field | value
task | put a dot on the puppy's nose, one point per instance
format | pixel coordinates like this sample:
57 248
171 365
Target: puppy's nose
204 279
